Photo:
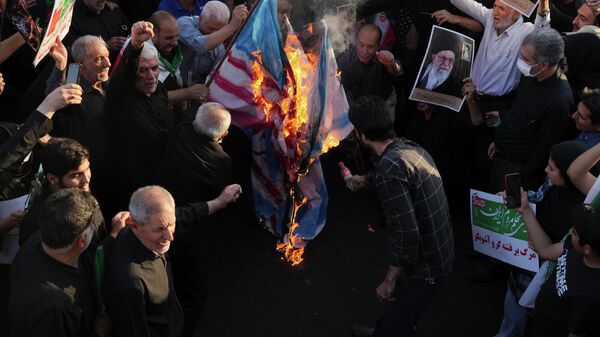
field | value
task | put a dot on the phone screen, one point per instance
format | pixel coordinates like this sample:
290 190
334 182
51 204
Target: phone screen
512 186
73 73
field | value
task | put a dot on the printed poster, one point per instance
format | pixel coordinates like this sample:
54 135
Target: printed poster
10 240
59 25
500 232
447 61
526 7
593 196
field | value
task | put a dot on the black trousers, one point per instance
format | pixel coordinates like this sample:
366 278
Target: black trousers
189 273
500 168
400 317
479 169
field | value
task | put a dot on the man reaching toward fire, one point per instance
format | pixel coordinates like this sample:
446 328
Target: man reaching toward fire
420 241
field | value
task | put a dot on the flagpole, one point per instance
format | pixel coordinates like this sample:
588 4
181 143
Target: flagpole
235 36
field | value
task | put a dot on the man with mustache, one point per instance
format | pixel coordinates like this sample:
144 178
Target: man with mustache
495 74
99 18
141 120
437 77
170 60
88 122
586 15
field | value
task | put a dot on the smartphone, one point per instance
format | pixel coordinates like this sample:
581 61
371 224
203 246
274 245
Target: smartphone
512 187
73 73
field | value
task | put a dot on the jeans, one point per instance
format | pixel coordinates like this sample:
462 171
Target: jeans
513 321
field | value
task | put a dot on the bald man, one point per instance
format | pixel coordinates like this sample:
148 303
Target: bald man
138 275
365 69
166 41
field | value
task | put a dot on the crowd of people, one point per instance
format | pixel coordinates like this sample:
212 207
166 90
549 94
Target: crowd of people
124 167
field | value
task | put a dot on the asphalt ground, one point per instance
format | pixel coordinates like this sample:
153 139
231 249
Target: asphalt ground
254 293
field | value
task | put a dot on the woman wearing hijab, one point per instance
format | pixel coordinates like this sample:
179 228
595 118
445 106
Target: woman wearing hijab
554 201
582 51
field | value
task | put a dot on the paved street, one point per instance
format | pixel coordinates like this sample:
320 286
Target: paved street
253 293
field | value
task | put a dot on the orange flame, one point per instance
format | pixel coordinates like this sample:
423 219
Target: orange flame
291 252
257 85
330 142
309 29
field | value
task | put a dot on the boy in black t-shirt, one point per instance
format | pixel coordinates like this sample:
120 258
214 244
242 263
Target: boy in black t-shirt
568 304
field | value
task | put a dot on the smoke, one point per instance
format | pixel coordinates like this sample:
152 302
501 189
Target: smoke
339 15
341 32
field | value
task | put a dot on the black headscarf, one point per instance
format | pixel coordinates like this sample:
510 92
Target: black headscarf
554 211
583 52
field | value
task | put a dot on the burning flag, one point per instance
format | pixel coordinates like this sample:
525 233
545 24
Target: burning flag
293 108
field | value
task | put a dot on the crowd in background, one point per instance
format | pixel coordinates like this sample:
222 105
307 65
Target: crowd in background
114 163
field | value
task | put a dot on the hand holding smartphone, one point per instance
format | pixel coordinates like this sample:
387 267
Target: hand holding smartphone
512 186
73 73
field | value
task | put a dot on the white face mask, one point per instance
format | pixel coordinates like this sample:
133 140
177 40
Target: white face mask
526 68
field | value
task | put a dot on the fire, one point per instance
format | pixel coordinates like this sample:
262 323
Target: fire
338 73
291 116
309 28
293 248
257 84
330 142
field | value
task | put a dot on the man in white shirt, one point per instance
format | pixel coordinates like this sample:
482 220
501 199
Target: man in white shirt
495 74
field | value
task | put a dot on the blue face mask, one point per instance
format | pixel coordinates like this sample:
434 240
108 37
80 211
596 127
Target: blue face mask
526 68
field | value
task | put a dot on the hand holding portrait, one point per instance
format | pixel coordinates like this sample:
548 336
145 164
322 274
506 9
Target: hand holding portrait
468 89
60 55
443 16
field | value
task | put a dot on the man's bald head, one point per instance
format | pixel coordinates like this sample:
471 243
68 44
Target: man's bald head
367 42
160 18
212 121
166 32
149 200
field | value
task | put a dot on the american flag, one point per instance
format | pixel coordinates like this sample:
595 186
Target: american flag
263 101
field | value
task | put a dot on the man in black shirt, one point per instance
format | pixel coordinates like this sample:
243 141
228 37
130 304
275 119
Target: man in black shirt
51 292
568 302
18 164
138 286
537 118
138 106
420 239
99 18
365 70
195 168
88 122
66 165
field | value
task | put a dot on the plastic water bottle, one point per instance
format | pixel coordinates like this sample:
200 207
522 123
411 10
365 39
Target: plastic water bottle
347 176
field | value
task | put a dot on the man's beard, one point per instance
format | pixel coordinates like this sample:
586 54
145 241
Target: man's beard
436 77
504 23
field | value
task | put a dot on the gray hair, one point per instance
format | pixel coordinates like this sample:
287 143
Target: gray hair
149 52
148 200
212 121
548 44
79 49
215 9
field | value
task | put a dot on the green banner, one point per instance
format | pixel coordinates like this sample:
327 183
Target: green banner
494 216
